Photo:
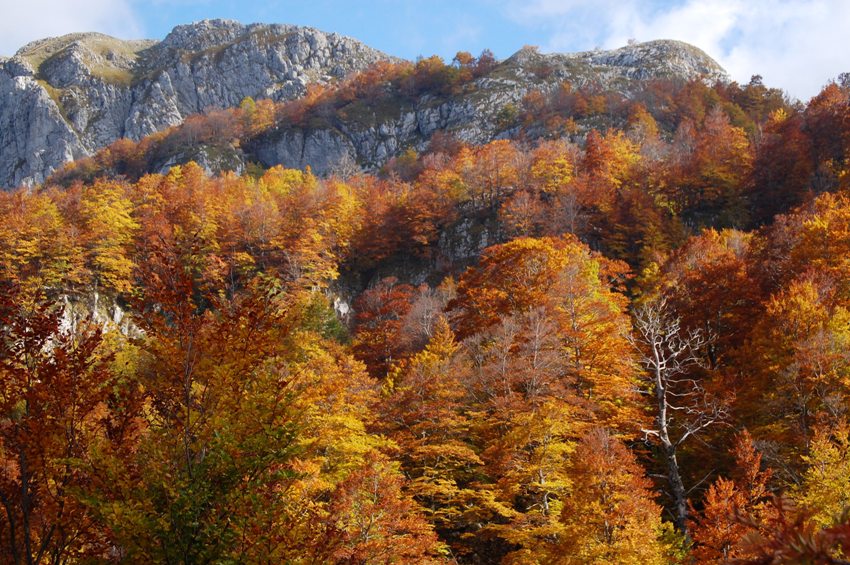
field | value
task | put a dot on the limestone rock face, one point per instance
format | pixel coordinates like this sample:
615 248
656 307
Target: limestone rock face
474 117
65 98
34 136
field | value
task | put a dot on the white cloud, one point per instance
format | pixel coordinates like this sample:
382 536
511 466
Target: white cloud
795 45
25 21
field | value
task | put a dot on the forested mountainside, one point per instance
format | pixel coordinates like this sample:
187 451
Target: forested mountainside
612 326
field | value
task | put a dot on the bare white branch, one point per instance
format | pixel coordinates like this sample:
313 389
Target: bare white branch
669 354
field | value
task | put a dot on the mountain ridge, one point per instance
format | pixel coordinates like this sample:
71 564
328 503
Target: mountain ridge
67 97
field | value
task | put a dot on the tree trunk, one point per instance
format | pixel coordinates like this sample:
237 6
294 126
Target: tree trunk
680 499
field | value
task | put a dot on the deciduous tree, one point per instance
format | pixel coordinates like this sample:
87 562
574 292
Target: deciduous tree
54 387
682 405
609 515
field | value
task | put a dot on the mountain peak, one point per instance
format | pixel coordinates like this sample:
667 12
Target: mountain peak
663 58
95 51
89 89
203 34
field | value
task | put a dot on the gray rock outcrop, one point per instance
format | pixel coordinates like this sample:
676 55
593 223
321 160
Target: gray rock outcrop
475 116
66 97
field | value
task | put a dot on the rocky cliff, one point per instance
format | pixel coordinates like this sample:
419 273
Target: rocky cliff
370 134
66 97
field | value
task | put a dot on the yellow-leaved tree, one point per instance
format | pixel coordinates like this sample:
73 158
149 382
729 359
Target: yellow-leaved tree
37 250
545 336
107 217
609 515
825 489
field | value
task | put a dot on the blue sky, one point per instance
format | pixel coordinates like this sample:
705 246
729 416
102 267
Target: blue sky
405 29
797 45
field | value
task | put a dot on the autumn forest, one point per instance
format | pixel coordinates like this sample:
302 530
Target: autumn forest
621 344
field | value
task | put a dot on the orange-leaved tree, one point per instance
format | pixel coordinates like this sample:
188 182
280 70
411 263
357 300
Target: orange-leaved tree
54 387
718 530
573 288
610 515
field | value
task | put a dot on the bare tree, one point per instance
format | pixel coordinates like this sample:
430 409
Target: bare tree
683 407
